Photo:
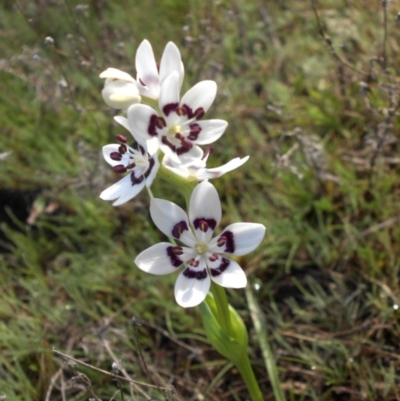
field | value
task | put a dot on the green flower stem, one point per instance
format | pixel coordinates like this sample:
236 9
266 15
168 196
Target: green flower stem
223 325
245 369
222 307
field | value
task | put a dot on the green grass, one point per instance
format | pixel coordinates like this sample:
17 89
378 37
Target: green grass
327 273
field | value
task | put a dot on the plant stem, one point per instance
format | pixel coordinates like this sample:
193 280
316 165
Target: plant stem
247 373
222 307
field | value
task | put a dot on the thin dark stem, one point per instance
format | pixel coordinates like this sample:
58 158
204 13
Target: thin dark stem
328 41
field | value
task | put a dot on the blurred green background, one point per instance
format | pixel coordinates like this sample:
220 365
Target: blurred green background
319 119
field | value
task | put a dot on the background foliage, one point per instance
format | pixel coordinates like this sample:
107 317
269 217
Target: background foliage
313 100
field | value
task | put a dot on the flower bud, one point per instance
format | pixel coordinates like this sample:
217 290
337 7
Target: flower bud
120 89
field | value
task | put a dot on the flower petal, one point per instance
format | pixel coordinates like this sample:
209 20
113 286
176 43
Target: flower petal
150 175
169 94
187 158
204 211
192 286
170 62
201 95
123 191
171 220
227 273
210 131
139 118
147 74
238 239
163 258
114 73
216 172
120 94
107 150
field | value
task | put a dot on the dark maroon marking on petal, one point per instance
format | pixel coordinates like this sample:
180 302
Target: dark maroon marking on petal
169 108
195 130
216 271
151 165
194 263
119 169
211 223
179 228
166 142
142 151
122 138
136 180
130 166
199 113
122 149
173 253
152 126
183 149
116 156
188 110
198 275
186 144
227 239
140 80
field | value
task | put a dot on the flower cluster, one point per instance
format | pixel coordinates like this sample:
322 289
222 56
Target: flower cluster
173 126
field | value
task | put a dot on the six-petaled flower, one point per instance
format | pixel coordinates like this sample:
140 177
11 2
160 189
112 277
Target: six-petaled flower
202 257
179 129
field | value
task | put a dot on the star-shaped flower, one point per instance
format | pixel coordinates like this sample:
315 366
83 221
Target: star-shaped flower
179 129
203 259
123 158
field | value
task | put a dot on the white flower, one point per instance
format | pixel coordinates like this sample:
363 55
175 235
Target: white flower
202 257
179 130
149 76
120 89
197 170
123 158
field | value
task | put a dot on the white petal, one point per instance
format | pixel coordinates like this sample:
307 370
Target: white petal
242 239
205 204
123 191
155 260
178 169
114 73
147 73
166 216
216 172
191 291
140 140
122 121
153 173
169 93
194 153
232 275
201 95
139 116
120 94
106 154
170 62
211 130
